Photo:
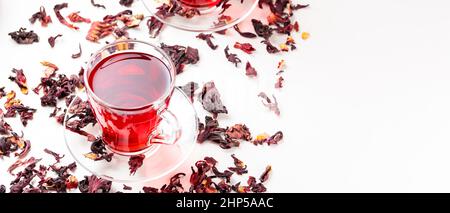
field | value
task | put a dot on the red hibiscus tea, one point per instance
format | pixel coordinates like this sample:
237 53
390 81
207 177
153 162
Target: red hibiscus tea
130 91
200 3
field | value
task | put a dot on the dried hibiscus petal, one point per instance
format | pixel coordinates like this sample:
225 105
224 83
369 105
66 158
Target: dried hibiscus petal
250 70
189 89
135 163
207 38
246 47
75 17
181 55
279 83
57 8
264 138
261 29
272 105
93 184
174 185
20 80
97 5
52 39
41 16
265 175
239 131
269 47
240 167
233 58
57 156
77 55
99 30
244 34
154 26
126 3
211 131
210 99
23 37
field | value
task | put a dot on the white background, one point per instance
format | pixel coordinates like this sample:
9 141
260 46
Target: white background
365 107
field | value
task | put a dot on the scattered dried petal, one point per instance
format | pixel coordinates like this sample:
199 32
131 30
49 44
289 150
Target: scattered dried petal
77 55
23 37
207 38
126 3
233 58
57 8
246 47
250 71
97 5
41 16
210 99
52 39
135 163
272 105
243 34
265 175
20 80
189 89
76 18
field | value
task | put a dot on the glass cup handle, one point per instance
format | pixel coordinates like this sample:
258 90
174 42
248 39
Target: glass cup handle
168 131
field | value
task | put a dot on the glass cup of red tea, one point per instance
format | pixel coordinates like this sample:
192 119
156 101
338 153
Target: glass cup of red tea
129 85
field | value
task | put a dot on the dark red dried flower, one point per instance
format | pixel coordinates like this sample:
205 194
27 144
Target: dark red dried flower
269 47
279 83
239 131
154 26
23 37
52 39
57 8
41 16
97 5
210 99
26 113
126 3
125 187
181 55
240 167
174 185
207 38
246 47
250 71
264 138
272 105
93 184
20 79
189 89
57 156
77 55
261 29
244 34
135 163
2 93
233 58
265 175
211 131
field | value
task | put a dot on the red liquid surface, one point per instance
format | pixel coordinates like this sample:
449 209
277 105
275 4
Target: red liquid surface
128 81
200 3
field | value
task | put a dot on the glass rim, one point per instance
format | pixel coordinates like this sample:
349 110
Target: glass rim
157 102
